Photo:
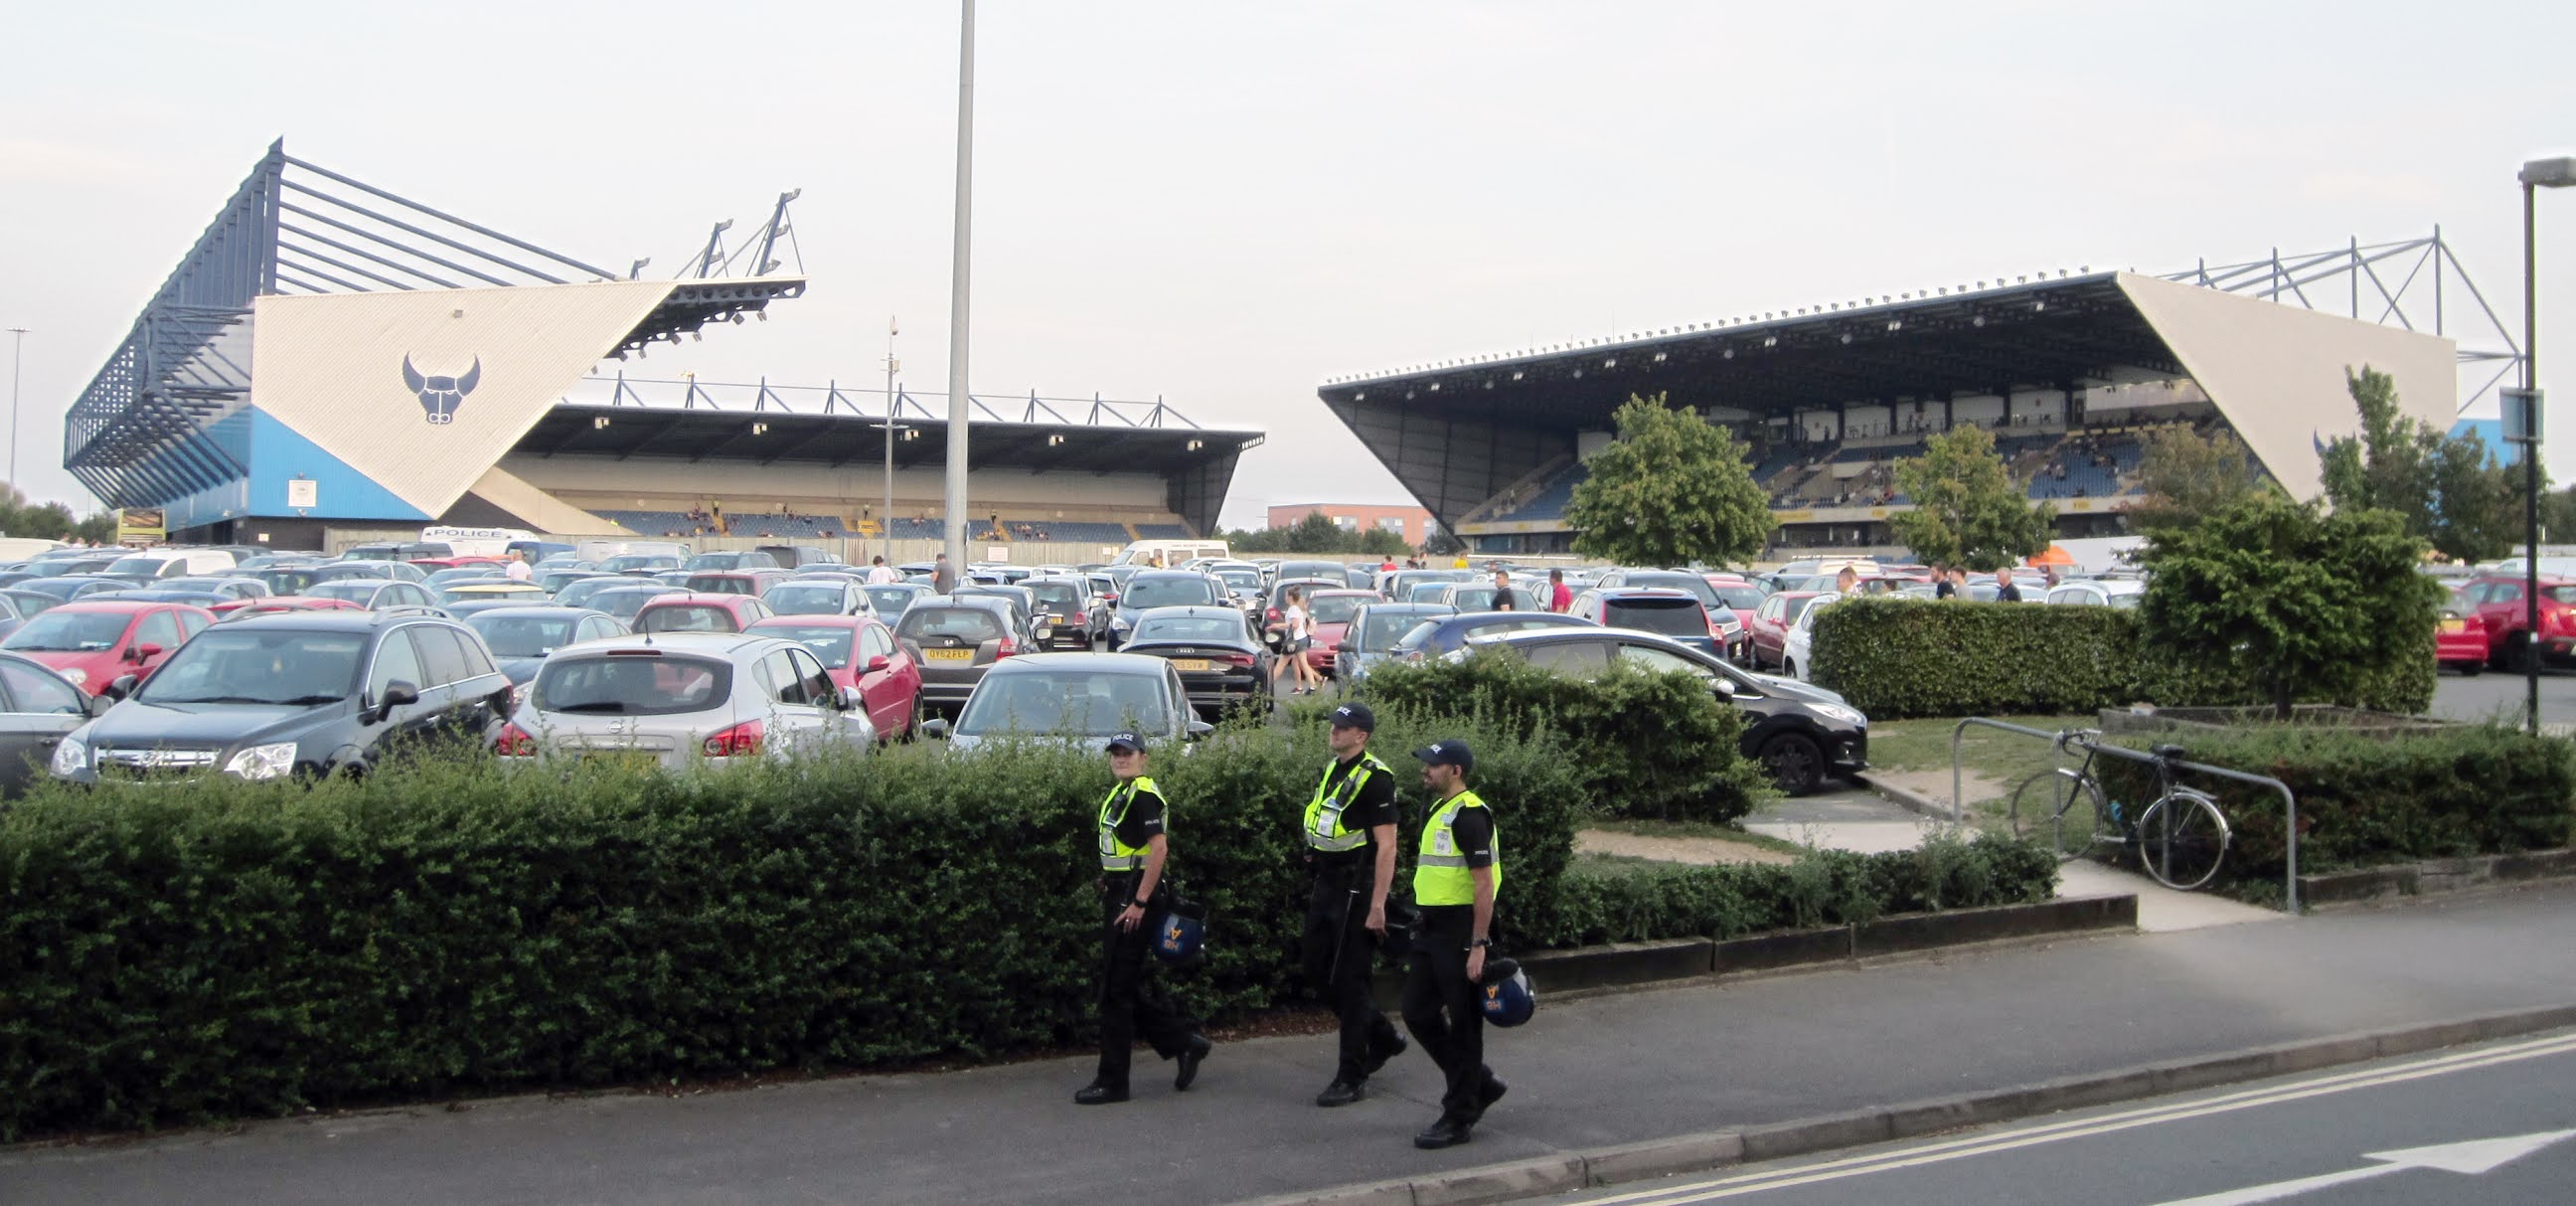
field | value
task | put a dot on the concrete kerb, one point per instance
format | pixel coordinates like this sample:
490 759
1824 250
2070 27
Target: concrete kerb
1911 801
1631 1162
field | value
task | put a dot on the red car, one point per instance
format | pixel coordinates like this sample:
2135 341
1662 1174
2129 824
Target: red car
2459 640
1329 615
700 613
863 657
94 642
1771 621
2496 605
1741 595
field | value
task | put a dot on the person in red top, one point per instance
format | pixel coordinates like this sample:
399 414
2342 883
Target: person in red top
1559 595
1387 566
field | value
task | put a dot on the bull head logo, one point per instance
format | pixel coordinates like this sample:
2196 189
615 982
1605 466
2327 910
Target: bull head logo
440 396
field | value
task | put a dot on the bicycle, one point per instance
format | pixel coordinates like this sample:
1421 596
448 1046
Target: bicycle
2180 839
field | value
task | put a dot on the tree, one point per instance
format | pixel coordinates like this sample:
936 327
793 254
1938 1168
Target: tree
1968 510
2187 477
1379 542
2310 604
1673 490
2446 489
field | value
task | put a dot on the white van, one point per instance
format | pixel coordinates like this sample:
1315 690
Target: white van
596 551
476 542
173 563
20 548
1175 552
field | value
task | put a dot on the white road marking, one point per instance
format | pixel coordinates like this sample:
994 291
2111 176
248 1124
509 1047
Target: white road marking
1959 1149
2469 1159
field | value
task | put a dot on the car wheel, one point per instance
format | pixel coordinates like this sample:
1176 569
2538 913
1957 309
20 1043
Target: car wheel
1795 761
1788 669
2471 669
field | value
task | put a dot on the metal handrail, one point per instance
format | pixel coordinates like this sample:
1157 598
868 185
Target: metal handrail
2057 740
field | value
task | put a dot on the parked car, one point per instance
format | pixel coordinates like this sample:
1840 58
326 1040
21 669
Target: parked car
685 611
891 599
818 597
1479 595
1329 614
95 643
1798 649
38 708
1370 637
153 564
709 562
242 609
636 565
955 639
1800 733
68 587
1770 635
521 638
2459 640
504 592
798 557
1736 593
624 601
2501 612
26 603
553 581
752 582
374 594
1448 634
1274 603
311 693
1242 581
1085 697
1222 661
682 699
874 672
1149 589
1676 613
2122 593
1075 618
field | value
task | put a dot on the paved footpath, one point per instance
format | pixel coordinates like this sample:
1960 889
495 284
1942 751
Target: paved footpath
1587 1073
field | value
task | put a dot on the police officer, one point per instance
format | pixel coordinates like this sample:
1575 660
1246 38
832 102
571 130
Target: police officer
1350 844
1134 851
1457 870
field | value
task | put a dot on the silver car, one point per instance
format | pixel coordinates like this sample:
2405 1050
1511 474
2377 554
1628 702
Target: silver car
1084 697
683 699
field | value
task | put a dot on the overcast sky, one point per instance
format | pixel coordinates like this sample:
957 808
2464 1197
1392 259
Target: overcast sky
1222 204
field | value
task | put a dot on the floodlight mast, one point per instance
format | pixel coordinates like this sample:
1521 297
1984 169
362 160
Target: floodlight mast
958 403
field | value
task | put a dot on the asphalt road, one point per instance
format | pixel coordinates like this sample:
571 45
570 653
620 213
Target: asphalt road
2493 1124
2492 695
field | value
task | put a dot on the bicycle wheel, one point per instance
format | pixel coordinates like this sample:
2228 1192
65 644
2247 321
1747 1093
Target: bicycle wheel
2060 809
2182 838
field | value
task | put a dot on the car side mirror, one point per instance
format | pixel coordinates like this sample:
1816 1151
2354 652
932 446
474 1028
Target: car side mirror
97 705
1196 729
397 694
878 663
851 700
935 728
142 653
121 688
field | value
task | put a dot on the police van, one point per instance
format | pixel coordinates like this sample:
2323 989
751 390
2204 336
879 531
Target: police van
1176 553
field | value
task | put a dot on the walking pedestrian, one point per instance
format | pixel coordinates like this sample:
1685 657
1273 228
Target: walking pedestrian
1847 582
1135 853
1296 633
1350 846
517 570
1458 870
2005 590
943 576
1941 588
1560 597
881 574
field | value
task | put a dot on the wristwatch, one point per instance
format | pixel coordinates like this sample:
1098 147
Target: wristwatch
1480 942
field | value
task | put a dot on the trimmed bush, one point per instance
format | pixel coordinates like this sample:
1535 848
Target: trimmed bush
1910 657
2366 800
213 947
1637 902
1658 745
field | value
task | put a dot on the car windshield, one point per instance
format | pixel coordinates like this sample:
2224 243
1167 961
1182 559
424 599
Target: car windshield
713 561
1676 580
638 561
631 684
891 598
1082 703
287 581
970 624
524 636
1791 609
1189 628
686 617
1670 617
1741 598
1167 592
812 600
69 632
1417 636
272 667
1423 592
1481 598
830 642
623 604
354 590
141 566
1335 608
1240 579
1057 596
1380 633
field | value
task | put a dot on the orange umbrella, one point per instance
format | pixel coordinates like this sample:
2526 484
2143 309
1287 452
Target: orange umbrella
2056 555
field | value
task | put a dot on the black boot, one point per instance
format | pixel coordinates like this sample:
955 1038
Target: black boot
1099 1094
1189 1059
1341 1093
1448 1132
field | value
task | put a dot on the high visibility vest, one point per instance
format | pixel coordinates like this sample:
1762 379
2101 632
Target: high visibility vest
1324 829
1440 874
1116 855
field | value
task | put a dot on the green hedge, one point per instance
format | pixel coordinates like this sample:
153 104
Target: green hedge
1637 902
2365 800
1894 658
1907 657
219 948
1662 745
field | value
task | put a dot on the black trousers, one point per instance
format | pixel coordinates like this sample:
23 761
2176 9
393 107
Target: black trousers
1125 1009
1340 957
1442 1009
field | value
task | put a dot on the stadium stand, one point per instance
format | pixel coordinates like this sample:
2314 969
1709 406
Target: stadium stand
1161 531
651 523
786 525
1551 498
920 529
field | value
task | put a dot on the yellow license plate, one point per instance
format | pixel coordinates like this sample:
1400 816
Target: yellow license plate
2455 625
950 655
1189 663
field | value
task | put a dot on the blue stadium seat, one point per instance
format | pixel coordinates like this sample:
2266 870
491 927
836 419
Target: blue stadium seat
1162 531
650 523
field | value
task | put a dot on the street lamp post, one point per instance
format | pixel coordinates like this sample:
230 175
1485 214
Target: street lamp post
2535 175
17 352
886 517
959 404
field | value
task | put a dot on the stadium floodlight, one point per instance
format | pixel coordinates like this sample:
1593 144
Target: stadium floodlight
2549 173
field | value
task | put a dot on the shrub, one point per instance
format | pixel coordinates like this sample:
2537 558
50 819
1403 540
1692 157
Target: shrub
2364 800
1650 745
1912 657
1637 902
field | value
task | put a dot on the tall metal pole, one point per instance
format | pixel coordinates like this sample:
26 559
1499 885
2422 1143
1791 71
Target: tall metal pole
17 352
2531 470
885 533
958 404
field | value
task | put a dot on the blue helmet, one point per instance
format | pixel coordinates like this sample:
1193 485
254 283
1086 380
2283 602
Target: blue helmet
1181 933
1509 997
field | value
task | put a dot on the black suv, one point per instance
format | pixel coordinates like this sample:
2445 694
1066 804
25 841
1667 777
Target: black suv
308 693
